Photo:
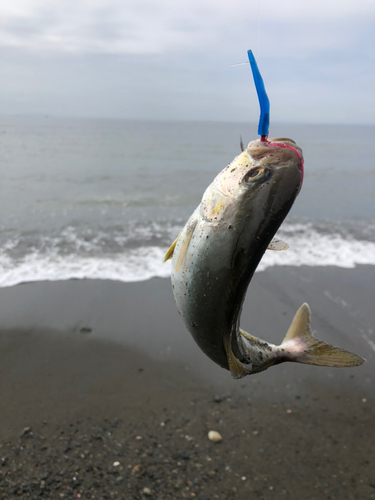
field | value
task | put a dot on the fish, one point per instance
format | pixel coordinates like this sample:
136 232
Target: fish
217 252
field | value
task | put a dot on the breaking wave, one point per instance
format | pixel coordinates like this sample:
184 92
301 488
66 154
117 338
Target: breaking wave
310 247
137 254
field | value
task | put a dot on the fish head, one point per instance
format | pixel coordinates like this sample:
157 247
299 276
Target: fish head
274 166
255 192
272 182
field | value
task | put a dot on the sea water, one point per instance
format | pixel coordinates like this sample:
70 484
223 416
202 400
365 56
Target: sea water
106 198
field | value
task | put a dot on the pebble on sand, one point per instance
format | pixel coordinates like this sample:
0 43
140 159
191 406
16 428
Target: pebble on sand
147 491
25 431
138 470
214 436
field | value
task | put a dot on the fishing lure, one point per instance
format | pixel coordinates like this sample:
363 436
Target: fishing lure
264 102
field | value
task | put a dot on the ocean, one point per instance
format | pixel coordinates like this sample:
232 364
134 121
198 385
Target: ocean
104 199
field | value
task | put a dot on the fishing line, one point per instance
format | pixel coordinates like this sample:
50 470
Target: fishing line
264 103
258 24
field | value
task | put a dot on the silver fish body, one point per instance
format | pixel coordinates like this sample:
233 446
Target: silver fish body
220 247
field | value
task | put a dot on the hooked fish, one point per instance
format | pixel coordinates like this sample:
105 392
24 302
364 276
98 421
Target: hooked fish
219 249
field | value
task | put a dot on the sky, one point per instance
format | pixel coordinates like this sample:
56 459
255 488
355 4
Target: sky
173 59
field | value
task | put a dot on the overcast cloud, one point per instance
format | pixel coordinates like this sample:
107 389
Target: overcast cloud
172 59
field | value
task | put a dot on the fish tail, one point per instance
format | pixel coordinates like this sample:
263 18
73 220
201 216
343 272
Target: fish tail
300 345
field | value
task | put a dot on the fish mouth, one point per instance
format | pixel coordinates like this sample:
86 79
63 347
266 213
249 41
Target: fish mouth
261 149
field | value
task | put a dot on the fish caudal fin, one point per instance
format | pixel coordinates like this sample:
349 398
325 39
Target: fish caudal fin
301 346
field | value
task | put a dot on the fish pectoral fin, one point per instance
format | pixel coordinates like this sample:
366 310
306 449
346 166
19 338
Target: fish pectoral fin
170 250
277 245
236 368
301 346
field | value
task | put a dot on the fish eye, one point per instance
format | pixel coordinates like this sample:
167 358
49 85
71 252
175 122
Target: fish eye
253 174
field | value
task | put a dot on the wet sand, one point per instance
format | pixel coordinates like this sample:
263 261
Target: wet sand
86 367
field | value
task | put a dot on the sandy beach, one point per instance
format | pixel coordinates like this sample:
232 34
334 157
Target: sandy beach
104 395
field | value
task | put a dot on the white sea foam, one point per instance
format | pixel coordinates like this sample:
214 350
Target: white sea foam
310 248
307 247
134 265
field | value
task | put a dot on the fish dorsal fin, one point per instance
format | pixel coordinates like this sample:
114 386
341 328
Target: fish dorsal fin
278 245
241 145
237 369
170 250
301 346
185 244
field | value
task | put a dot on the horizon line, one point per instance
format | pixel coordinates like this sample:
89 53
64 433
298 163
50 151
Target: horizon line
175 120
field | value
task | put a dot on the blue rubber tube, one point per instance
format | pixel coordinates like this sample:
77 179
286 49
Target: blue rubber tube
264 103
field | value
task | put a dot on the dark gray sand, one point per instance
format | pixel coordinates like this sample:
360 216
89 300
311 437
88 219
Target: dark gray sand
87 368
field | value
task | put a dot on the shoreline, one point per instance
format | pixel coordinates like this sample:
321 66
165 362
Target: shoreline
87 366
